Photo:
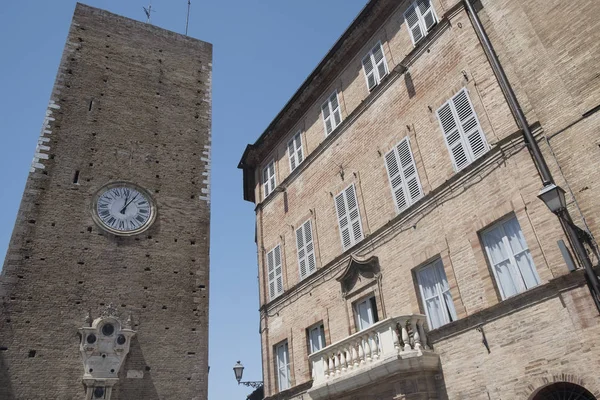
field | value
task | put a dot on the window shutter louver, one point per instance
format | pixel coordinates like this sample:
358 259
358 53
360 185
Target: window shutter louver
332 115
470 124
306 254
275 272
291 154
295 151
335 108
462 131
326 118
340 204
402 172
412 20
299 152
369 72
349 217
269 179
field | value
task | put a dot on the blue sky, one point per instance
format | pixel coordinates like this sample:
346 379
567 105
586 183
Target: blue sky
263 50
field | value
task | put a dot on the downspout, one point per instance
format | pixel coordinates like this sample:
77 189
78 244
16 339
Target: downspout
538 158
511 98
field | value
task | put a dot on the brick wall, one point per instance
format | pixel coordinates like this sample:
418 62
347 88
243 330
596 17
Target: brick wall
131 102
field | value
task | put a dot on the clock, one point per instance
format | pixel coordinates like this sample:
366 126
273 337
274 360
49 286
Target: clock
123 208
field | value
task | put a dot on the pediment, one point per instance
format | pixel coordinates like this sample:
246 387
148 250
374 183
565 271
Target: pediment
358 270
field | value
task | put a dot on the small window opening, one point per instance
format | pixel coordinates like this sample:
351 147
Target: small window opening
76 178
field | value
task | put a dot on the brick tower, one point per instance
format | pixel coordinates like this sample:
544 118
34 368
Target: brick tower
104 290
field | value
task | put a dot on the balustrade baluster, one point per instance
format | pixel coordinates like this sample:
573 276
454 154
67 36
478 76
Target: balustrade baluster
416 336
367 346
361 352
395 338
355 360
336 361
343 360
423 335
405 337
374 345
330 366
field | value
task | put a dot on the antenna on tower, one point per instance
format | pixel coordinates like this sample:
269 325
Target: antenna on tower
187 20
148 11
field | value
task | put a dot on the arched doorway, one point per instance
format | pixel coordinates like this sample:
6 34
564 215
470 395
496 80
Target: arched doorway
563 391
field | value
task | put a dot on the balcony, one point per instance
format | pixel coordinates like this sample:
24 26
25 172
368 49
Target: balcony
389 347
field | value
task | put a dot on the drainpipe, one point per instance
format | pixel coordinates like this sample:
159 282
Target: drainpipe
569 227
511 98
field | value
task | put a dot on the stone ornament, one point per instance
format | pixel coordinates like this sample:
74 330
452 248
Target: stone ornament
104 346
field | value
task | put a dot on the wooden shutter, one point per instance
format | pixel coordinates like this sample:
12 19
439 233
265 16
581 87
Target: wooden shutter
306 250
464 136
470 124
298 145
411 17
269 178
283 366
335 109
379 59
349 217
292 155
327 118
275 272
295 151
402 173
369 71
427 15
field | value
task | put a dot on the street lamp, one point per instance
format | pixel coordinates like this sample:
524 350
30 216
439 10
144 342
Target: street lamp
554 198
238 370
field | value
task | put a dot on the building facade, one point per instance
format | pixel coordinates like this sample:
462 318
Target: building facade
403 251
105 284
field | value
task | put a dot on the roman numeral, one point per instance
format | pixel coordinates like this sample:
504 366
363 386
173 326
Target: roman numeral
139 218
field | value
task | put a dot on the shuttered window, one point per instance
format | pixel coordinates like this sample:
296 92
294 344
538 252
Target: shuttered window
348 214
275 272
510 258
283 366
365 312
269 179
402 173
435 294
420 18
375 66
462 131
332 115
316 338
295 153
306 250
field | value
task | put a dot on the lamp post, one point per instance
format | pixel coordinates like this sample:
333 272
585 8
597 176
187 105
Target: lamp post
238 370
554 198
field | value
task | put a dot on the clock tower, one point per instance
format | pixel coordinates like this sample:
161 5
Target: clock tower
104 290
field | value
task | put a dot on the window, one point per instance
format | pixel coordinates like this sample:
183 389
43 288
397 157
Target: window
402 172
365 312
348 217
275 272
435 294
332 115
420 18
295 151
375 66
464 137
510 258
283 366
316 338
306 250
269 179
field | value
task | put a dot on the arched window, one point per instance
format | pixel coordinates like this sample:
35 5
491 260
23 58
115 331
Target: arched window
564 391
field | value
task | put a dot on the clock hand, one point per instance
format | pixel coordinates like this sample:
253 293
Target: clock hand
125 207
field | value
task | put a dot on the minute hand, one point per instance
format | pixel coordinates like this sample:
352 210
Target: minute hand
125 206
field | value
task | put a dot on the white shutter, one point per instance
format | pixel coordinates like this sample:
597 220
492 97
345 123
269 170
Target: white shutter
327 118
402 173
295 153
269 179
462 131
275 272
332 115
413 24
335 109
470 124
369 71
435 294
306 250
426 10
349 217
379 59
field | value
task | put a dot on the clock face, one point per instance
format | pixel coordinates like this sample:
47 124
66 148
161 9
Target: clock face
123 209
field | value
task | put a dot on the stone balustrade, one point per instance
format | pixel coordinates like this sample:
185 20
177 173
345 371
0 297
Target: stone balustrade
383 346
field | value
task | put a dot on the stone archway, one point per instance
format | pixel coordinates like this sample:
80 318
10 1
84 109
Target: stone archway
563 391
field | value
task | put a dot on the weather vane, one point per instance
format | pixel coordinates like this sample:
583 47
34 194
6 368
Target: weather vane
148 11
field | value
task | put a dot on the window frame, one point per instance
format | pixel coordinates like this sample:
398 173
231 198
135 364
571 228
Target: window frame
371 301
420 21
288 375
371 55
514 267
448 317
297 156
270 180
321 328
332 111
